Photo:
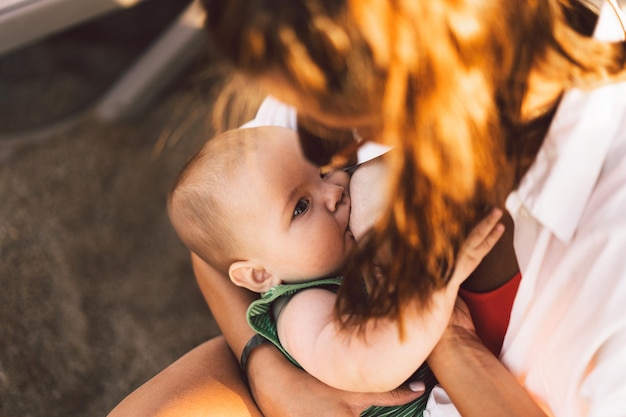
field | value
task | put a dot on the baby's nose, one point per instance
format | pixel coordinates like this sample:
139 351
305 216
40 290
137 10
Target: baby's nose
334 195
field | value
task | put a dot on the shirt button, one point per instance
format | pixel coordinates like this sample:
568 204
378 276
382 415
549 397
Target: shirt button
524 213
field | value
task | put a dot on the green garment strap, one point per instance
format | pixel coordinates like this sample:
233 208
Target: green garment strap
260 316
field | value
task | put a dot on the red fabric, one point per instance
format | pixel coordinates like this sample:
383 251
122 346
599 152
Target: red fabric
491 312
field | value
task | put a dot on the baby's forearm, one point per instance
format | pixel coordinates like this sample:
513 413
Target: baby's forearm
377 360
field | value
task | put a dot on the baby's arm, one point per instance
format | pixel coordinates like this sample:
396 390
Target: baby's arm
380 360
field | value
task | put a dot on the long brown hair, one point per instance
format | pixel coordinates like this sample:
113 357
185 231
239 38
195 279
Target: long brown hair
446 80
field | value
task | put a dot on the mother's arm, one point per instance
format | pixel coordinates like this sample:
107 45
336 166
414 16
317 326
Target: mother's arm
476 381
279 388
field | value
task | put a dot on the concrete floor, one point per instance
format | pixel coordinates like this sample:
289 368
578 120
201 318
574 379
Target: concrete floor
96 292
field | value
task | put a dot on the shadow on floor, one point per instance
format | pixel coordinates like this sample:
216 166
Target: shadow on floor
96 291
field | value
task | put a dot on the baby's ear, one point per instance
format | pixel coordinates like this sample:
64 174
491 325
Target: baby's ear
248 275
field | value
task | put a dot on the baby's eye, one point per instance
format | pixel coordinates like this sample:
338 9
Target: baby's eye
301 207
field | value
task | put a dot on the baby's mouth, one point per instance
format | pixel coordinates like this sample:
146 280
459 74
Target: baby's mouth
349 232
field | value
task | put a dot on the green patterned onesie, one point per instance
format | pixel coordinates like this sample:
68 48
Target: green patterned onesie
261 319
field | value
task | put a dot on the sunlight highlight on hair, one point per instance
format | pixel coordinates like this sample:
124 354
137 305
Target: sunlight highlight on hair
299 61
375 16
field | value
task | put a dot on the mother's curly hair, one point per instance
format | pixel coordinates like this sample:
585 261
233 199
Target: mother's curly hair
445 79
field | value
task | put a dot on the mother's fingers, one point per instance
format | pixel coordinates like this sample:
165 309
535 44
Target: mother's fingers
400 396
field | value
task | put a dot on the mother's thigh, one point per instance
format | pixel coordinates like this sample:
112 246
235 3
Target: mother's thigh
204 382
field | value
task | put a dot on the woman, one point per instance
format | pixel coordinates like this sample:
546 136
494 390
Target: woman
467 91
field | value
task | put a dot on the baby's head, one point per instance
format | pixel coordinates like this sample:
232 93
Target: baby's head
253 207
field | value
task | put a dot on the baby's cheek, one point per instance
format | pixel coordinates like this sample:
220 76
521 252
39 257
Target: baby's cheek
334 256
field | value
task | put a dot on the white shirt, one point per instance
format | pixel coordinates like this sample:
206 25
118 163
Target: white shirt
566 340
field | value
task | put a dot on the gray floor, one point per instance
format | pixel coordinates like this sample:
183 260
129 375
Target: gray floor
96 292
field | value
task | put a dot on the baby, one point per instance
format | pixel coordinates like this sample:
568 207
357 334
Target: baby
253 207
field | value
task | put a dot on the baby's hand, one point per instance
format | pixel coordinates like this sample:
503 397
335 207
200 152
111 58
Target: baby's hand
478 244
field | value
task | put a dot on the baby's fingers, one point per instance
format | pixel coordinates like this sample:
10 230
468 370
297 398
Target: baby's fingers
479 242
485 234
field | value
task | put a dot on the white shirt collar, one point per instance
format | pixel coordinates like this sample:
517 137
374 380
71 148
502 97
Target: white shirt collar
559 183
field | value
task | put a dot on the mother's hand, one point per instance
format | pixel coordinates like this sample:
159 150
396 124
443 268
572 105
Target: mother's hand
281 389
461 319
477 383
